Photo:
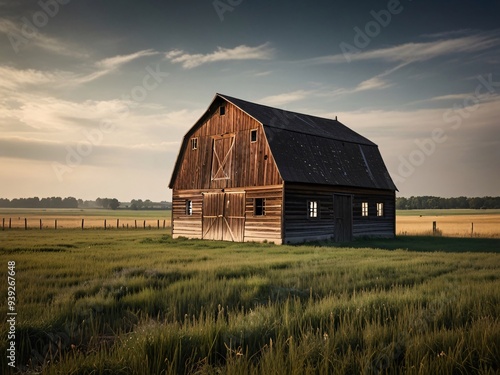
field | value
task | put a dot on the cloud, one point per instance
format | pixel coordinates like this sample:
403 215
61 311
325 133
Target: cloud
412 52
18 41
111 64
13 79
285 98
242 52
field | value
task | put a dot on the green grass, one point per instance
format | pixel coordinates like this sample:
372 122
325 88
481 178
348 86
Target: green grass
138 302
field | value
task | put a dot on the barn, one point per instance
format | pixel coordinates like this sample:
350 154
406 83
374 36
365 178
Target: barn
249 172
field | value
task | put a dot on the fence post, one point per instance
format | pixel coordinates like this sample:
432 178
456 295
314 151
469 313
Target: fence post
144 224
135 223
472 230
83 221
40 224
25 224
434 228
158 222
117 223
3 223
10 223
163 224
55 224
104 224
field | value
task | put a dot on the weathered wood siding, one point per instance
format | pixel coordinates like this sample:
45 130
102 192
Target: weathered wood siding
373 225
248 163
298 227
184 225
266 227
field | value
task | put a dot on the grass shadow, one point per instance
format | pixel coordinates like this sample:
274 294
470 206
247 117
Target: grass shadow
425 244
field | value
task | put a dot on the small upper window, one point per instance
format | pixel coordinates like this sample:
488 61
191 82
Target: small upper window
222 110
194 143
364 209
189 207
253 135
380 209
312 209
259 207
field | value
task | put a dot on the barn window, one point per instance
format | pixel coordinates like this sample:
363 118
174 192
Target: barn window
194 143
364 209
380 209
253 135
189 207
222 110
312 209
259 206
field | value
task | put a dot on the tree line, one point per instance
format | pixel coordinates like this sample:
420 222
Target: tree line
58 202
71 202
431 202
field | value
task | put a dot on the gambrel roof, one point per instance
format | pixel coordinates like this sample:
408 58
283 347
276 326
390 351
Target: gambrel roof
315 150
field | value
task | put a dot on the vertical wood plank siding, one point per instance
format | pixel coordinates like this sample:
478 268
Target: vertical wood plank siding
251 163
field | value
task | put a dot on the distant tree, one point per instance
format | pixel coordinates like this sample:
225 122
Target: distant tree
114 204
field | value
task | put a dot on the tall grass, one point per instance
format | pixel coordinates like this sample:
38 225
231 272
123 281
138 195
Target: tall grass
133 302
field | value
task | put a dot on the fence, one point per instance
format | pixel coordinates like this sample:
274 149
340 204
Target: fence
84 223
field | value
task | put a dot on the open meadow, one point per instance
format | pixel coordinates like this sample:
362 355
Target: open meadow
138 302
450 223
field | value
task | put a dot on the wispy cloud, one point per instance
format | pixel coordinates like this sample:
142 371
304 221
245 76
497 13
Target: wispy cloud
13 78
38 40
111 64
242 52
285 98
412 52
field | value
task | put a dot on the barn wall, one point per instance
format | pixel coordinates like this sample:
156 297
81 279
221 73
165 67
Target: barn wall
256 228
299 228
267 227
374 225
184 225
250 164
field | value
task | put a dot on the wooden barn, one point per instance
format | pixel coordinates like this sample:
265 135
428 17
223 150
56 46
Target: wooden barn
248 172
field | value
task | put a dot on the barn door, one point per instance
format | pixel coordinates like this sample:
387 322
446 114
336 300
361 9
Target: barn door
342 210
222 157
224 216
213 208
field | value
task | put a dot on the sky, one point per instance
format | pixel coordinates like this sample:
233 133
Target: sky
95 96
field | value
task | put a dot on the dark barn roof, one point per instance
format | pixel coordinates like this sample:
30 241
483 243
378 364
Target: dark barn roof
315 150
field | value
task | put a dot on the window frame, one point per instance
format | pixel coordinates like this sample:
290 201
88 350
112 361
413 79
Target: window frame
253 133
313 209
380 209
194 143
259 210
364 209
188 207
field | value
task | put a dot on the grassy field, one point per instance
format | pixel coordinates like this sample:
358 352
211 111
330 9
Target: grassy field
451 223
138 302
72 218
